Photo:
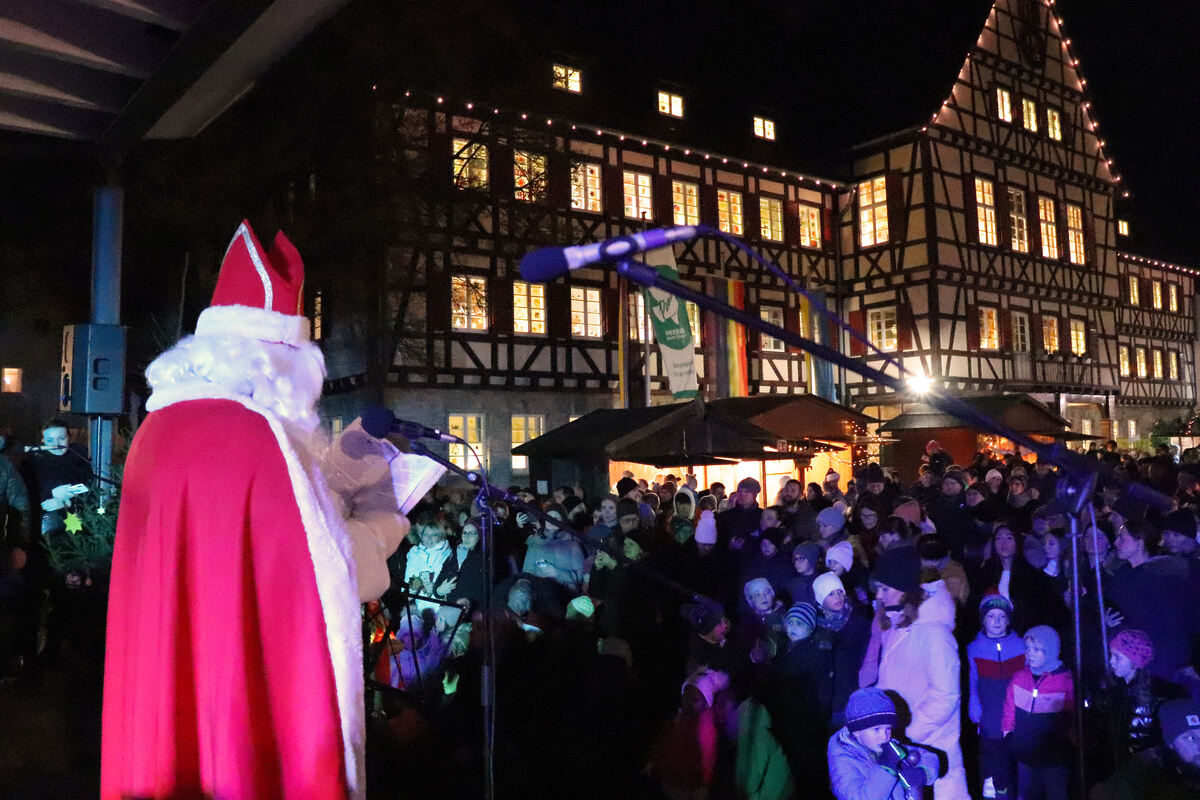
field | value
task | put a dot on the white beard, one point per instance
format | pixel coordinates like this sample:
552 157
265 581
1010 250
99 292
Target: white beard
283 379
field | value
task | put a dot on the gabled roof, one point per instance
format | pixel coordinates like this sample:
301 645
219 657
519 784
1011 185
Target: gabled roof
830 73
1020 412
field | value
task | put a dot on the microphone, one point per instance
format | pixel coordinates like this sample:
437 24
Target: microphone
379 422
552 262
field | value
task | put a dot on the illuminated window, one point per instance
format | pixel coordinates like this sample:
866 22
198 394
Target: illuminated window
881 329
1050 334
810 226
1123 360
1029 114
1156 294
1172 297
585 187
670 104
318 316
337 425
524 428
637 317
1085 427
1131 428
1140 355
1018 222
693 312
586 321
872 212
685 199
529 307
989 328
637 195
985 211
567 79
1158 363
469 428
1004 104
1054 124
1048 228
770 217
470 164
1075 250
1134 292
1078 337
1123 227
1020 332
1173 365
12 379
764 128
468 303
774 316
529 176
729 212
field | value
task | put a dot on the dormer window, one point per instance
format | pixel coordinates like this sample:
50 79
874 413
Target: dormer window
670 104
1123 227
764 128
567 78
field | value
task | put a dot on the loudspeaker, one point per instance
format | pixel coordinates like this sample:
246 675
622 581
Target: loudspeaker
93 369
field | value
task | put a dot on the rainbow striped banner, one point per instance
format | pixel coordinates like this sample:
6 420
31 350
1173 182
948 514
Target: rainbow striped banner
726 361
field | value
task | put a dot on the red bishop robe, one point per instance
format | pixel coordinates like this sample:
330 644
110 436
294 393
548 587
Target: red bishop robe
228 647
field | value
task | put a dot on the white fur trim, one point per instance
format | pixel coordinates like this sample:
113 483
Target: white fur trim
253 323
333 565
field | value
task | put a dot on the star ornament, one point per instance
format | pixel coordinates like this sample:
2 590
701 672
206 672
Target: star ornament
73 523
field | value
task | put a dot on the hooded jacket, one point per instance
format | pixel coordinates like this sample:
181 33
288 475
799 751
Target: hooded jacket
1037 716
920 663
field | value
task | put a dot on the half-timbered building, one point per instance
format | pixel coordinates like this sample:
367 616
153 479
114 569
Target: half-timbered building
973 234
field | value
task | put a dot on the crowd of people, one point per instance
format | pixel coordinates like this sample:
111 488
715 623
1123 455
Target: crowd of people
859 638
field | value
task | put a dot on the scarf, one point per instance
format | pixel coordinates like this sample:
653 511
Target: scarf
834 620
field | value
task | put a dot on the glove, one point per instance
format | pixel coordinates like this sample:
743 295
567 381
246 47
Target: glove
918 776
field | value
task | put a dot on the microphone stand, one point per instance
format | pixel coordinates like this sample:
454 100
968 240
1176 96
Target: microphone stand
487 525
1078 478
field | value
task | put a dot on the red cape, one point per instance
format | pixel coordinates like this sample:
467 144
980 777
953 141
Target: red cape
219 679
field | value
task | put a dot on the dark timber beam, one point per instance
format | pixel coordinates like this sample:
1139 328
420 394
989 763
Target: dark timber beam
84 36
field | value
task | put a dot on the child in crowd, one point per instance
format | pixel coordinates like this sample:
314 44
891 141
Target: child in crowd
1037 719
862 763
683 758
996 655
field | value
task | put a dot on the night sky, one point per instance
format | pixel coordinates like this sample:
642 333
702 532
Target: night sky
1141 62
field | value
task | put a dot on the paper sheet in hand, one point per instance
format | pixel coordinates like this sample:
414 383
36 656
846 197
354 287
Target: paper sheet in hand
412 477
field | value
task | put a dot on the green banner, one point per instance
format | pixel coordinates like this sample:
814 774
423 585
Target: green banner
668 315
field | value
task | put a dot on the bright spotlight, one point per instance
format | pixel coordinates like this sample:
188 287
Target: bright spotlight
920 383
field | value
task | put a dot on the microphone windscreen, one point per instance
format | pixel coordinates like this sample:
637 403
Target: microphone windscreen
544 265
377 421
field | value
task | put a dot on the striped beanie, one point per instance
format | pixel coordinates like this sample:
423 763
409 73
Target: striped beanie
804 612
995 600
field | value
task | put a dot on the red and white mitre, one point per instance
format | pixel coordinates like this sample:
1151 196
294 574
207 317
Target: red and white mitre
259 294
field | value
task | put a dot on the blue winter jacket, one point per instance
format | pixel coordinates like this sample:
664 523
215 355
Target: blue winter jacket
991 665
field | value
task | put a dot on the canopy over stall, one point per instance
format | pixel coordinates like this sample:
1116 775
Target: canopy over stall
760 436
921 423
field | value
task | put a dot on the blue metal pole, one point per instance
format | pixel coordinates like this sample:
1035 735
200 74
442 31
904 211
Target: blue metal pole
108 224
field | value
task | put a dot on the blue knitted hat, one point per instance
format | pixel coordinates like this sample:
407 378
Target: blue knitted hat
869 707
805 612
